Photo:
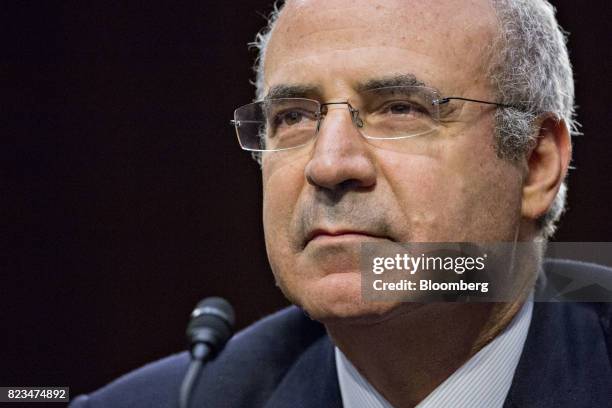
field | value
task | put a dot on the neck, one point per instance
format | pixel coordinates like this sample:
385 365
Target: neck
407 356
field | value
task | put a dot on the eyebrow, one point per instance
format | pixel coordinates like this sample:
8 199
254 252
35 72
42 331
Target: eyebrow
393 80
309 91
292 91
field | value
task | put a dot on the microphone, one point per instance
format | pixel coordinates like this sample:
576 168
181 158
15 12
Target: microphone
210 327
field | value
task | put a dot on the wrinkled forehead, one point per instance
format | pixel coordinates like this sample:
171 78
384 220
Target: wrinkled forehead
443 41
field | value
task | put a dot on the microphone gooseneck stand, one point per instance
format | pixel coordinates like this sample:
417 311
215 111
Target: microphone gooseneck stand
209 329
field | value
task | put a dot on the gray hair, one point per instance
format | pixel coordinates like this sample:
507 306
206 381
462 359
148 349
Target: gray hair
530 69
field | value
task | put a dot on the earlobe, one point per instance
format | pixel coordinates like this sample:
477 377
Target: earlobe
547 166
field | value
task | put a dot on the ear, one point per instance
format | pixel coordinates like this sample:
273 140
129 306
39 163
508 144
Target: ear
546 166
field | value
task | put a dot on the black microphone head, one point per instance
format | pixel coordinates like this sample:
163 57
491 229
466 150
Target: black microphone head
212 323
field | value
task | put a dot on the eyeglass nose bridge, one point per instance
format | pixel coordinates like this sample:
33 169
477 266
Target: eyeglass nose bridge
354 113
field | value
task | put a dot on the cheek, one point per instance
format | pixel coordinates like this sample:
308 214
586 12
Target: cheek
282 185
457 192
485 189
421 190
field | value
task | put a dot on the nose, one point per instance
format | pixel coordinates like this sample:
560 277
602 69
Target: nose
341 158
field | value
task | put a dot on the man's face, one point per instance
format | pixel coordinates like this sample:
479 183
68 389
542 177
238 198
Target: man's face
323 199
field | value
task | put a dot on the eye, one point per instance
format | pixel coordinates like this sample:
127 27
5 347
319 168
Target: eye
288 118
404 110
401 108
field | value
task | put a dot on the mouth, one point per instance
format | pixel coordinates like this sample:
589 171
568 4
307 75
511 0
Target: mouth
340 236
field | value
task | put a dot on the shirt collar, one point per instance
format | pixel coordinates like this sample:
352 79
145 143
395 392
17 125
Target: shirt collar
483 381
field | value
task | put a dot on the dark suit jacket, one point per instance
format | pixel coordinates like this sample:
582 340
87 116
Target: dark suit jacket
287 360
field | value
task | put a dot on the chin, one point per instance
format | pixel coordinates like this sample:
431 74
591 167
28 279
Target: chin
337 298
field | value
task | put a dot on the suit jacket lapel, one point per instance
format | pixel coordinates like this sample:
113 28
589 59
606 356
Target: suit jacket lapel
311 382
564 361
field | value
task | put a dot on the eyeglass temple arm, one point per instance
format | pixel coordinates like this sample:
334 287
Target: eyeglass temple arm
442 101
240 122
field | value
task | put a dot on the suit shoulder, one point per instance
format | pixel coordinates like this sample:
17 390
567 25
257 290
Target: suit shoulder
575 281
584 291
264 350
150 385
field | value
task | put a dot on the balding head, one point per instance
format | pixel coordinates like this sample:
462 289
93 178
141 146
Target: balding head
454 35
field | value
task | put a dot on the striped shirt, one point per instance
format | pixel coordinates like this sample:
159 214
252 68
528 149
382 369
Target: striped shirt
483 381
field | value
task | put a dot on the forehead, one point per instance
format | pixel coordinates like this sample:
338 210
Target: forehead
443 42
